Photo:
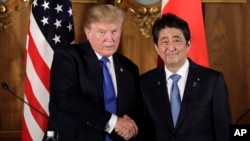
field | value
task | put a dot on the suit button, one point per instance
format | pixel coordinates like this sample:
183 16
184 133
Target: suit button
89 123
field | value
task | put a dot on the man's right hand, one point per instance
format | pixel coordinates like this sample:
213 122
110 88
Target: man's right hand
126 127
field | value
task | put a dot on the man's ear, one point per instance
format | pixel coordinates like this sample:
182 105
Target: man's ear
87 32
156 48
189 43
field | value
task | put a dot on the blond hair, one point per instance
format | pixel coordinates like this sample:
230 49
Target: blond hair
103 14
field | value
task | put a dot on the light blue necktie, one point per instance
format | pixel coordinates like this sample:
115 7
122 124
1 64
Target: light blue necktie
109 91
175 98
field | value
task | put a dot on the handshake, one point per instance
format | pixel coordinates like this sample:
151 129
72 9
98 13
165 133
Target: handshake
126 127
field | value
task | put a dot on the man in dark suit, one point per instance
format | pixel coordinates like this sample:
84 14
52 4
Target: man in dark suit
201 110
77 103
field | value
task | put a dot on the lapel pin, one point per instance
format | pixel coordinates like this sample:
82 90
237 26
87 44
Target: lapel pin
121 69
195 82
158 83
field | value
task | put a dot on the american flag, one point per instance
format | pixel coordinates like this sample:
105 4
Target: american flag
51 26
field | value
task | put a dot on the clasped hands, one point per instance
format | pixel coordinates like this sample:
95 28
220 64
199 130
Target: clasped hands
126 127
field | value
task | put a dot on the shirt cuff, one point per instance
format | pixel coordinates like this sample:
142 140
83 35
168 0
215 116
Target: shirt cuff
111 124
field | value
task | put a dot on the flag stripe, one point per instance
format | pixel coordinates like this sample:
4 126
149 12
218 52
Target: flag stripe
35 132
42 70
37 89
51 26
35 102
38 37
25 135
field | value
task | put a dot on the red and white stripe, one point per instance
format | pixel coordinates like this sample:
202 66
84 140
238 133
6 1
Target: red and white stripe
38 61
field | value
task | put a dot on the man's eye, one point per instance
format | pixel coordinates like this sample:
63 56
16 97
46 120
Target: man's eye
165 42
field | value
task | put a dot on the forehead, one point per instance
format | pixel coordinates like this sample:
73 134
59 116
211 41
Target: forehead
105 25
170 32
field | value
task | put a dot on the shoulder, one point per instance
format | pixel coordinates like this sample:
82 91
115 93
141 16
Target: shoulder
72 50
155 73
69 48
204 71
124 59
125 62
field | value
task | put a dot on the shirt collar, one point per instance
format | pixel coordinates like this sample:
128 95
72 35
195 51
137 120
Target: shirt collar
183 71
110 57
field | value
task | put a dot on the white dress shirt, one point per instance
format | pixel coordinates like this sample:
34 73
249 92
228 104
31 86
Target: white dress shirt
183 72
112 121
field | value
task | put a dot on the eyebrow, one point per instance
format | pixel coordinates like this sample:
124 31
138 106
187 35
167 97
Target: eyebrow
176 36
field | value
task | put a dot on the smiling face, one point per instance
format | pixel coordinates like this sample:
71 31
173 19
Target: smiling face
172 47
104 37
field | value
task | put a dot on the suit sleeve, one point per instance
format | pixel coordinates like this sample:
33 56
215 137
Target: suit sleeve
68 99
221 110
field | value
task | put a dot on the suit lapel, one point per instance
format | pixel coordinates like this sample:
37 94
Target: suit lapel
190 92
94 66
119 72
163 97
162 83
121 75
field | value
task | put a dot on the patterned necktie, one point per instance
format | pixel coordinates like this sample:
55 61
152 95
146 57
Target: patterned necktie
175 98
109 91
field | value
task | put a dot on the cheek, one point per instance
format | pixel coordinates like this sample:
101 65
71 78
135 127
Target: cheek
117 40
94 38
161 50
185 50
96 42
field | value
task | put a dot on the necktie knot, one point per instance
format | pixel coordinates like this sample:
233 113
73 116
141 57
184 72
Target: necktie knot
175 77
104 60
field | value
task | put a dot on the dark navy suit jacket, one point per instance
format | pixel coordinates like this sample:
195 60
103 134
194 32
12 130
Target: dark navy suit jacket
76 101
204 115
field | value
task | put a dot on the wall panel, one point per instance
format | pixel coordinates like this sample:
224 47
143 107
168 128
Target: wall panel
227 33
